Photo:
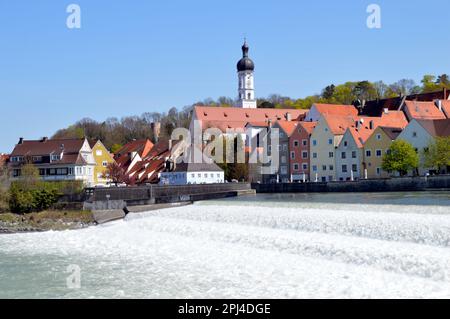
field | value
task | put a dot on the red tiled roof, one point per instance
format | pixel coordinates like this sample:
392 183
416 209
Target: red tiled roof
336 109
446 107
308 126
287 126
339 124
142 147
423 110
436 128
47 147
238 118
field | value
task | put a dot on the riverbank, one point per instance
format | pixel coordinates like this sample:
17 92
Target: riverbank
45 221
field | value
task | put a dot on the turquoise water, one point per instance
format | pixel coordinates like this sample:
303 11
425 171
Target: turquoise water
271 245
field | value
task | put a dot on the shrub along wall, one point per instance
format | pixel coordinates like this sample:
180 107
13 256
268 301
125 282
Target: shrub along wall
38 196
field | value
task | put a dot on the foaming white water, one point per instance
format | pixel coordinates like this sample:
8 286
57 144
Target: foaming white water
234 249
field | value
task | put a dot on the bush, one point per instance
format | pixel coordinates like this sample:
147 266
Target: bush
32 199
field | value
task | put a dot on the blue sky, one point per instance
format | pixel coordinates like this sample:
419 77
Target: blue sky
130 57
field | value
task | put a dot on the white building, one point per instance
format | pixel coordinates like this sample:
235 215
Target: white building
56 159
420 133
193 173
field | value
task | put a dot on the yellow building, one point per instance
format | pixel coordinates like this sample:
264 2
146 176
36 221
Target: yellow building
374 149
102 159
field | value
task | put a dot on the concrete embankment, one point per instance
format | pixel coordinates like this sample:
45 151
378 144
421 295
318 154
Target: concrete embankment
404 184
111 204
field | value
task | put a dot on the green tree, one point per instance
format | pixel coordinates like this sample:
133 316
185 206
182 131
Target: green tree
429 84
401 158
438 153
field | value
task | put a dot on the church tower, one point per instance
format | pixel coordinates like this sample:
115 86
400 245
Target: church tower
245 69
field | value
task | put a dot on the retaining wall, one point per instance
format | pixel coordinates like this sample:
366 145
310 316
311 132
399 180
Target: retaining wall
371 185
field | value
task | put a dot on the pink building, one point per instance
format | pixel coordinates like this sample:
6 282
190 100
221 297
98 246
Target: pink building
299 147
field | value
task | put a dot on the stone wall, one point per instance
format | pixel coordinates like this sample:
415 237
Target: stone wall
371 185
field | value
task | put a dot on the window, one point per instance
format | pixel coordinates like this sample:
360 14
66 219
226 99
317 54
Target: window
345 143
414 134
314 155
285 147
305 154
283 159
330 141
305 166
17 172
343 155
296 166
70 170
218 175
54 158
344 168
378 171
305 142
315 142
324 167
378 136
388 151
353 154
205 175
37 159
284 170
199 175
355 168
324 179
331 168
330 154
211 175
193 175
315 168
98 152
104 163
292 155
368 153
379 153
296 143
42 172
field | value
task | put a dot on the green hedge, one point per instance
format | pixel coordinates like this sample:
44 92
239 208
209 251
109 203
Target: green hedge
25 198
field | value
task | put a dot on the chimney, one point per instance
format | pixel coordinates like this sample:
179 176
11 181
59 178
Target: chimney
44 139
288 116
20 141
371 125
357 124
386 110
170 145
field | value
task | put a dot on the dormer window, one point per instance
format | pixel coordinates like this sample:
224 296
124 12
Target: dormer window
55 158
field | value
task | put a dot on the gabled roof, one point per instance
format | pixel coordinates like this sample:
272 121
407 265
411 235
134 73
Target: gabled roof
47 146
436 128
423 110
336 109
142 147
197 167
307 126
339 124
392 132
288 127
237 118
376 107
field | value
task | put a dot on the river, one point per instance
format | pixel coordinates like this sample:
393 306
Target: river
381 245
